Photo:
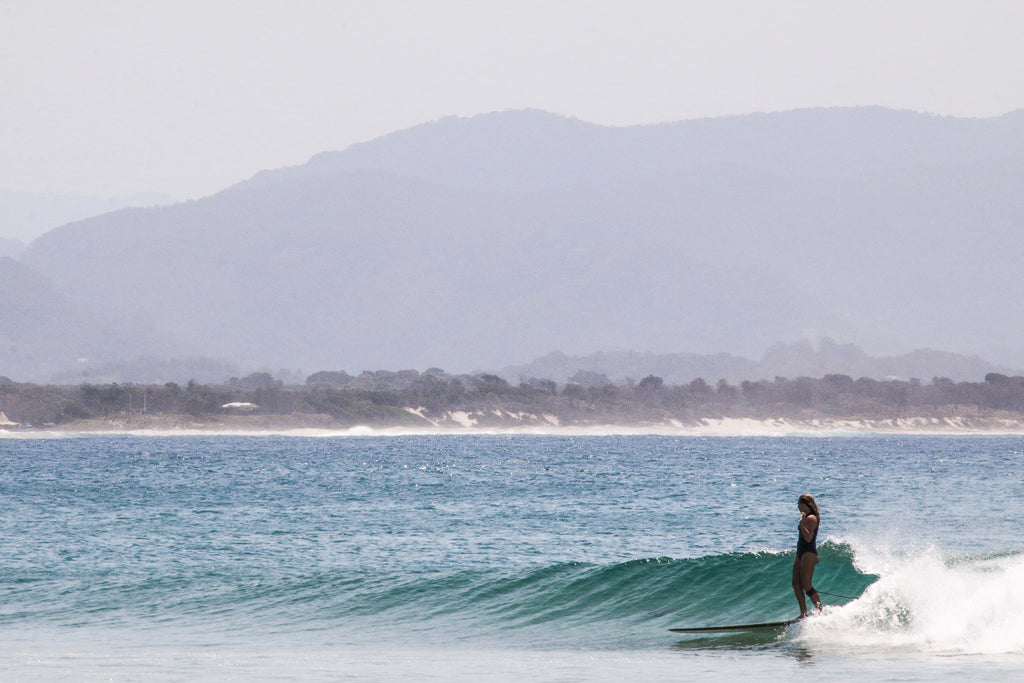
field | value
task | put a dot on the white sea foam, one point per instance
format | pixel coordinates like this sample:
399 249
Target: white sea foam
930 603
461 422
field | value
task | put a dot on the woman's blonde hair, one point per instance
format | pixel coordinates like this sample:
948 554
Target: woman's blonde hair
808 500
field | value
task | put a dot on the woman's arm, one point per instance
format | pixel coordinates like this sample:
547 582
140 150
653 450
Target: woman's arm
808 523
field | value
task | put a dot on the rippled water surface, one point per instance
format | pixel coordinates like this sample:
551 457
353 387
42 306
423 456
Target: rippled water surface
505 557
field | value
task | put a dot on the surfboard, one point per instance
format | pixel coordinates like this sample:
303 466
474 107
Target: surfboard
736 627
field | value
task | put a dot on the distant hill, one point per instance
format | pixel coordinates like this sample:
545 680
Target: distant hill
11 248
781 360
26 215
470 244
43 332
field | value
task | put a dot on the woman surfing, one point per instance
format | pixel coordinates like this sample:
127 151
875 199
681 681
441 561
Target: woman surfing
806 553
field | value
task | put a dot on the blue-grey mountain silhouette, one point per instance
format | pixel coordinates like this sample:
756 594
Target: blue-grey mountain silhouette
479 243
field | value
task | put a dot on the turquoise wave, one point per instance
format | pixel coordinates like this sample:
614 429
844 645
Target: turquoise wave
646 593
716 589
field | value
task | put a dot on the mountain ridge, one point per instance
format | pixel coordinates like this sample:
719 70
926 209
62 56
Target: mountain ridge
27 215
422 150
799 359
469 245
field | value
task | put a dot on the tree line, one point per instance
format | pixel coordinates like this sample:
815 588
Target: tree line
383 397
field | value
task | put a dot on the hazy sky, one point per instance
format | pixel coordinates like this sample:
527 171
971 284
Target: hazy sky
113 97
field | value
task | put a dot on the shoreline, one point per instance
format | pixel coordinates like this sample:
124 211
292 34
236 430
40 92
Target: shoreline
325 426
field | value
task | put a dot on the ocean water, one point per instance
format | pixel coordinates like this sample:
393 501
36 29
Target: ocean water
506 557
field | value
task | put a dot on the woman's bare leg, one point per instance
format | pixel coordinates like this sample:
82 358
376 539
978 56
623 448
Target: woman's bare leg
798 586
806 571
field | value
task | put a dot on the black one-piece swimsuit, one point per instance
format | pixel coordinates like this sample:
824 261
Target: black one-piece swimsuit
810 546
